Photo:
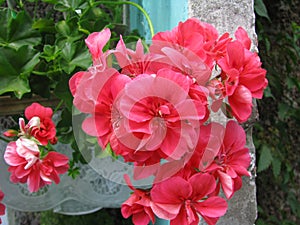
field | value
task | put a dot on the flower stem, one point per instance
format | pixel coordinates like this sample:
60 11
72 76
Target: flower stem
58 106
4 139
133 4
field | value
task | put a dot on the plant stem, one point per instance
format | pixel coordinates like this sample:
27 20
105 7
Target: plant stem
133 4
4 139
58 106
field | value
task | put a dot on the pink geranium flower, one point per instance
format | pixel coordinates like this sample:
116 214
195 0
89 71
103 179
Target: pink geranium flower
243 79
2 206
180 200
232 160
138 205
45 131
104 90
134 63
193 36
25 164
96 42
160 117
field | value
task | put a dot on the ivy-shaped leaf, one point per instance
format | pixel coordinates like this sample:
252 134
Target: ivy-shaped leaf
260 9
276 167
15 68
75 55
265 158
16 31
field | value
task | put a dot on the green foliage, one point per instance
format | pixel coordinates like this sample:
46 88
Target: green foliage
39 52
102 217
260 9
277 134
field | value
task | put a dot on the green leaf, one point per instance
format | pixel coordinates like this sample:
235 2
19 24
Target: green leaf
67 32
62 91
276 166
44 25
265 158
17 32
283 110
260 9
15 68
69 5
73 55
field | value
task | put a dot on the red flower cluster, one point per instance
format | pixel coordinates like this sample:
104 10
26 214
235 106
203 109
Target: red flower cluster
154 112
26 162
2 207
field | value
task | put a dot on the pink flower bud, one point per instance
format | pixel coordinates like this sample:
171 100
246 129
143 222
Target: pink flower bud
10 133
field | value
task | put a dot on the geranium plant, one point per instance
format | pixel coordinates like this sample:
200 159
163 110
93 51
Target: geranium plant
153 109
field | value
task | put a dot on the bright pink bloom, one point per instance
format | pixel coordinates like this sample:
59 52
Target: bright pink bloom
243 79
138 206
180 200
25 164
134 63
75 80
2 206
232 160
242 36
160 117
192 36
46 130
104 90
96 42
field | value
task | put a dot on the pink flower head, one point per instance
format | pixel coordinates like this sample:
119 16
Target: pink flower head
25 164
242 36
96 42
2 206
192 36
43 131
134 63
243 79
232 160
51 166
138 205
101 94
160 117
75 80
180 200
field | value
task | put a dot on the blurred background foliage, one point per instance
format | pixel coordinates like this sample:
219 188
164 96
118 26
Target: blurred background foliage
277 133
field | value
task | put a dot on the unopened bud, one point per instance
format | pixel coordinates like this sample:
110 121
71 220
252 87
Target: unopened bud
10 133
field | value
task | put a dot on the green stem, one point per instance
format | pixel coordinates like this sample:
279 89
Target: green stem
58 106
45 73
4 139
133 4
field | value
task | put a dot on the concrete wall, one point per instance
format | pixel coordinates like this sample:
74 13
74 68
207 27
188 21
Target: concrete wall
226 16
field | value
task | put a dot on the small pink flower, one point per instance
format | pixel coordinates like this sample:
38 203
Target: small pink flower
180 200
25 164
2 206
46 130
243 78
134 63
96 42
232 160
138 206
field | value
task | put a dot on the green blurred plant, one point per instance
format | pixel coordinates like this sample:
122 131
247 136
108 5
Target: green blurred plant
102 217
40 51
276 136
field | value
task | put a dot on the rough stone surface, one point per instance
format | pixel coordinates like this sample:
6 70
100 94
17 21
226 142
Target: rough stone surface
227 16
